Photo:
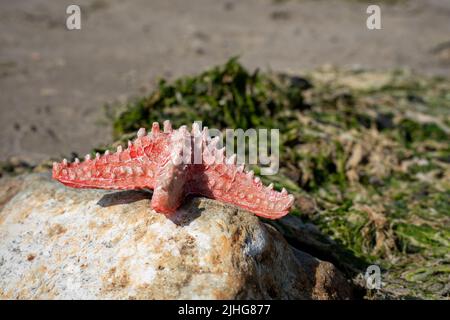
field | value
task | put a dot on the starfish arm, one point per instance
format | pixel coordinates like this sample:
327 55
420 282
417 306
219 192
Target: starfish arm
133 168
107 172
172 175
228 183
169 190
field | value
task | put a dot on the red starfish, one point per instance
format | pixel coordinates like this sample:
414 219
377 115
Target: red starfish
155 161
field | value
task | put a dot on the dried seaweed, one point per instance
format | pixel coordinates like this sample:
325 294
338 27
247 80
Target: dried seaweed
370 148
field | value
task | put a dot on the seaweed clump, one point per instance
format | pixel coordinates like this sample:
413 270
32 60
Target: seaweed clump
367 155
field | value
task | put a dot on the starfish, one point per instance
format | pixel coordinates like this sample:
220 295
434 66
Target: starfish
163 161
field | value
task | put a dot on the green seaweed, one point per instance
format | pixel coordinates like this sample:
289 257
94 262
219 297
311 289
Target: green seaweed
372 149
227 97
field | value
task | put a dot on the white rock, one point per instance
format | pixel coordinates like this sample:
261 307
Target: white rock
62 243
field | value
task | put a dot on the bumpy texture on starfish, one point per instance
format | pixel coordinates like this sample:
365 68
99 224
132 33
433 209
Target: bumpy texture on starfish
158 161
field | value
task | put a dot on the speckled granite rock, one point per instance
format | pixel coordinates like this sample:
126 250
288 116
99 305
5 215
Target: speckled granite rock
61 243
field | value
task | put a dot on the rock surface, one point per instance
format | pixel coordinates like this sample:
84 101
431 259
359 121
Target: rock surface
61 243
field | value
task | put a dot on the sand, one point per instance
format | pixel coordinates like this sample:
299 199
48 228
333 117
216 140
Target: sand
54 82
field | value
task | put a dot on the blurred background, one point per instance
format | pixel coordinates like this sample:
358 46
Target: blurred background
54 82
